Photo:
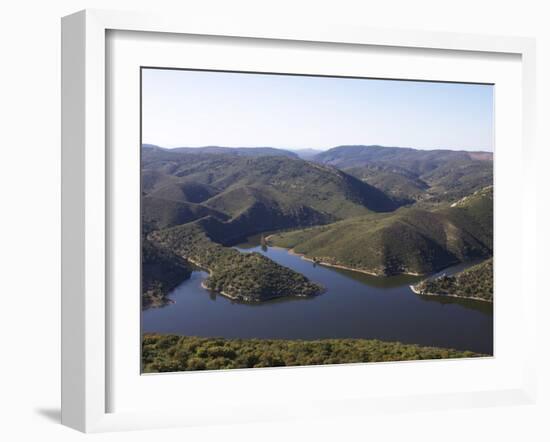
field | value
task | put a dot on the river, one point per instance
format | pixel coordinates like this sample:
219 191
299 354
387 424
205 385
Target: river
354 305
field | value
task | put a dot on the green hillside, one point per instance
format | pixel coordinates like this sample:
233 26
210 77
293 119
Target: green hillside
414 175
162 271
194 204
167 353
414 160
173 189
475 282
405 188
249 277
255 193
409 240
159 213
457 179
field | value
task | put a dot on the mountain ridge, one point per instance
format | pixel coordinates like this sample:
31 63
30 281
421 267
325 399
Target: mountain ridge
412 175
242 151
276 192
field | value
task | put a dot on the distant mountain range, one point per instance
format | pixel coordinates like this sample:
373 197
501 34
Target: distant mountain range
306 154
341 156
240 195
417 160
240 151
405 175
411 175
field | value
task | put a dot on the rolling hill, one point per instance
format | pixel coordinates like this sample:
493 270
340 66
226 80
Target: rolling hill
410 240
403 187
411 175
196 202
251 194
159 213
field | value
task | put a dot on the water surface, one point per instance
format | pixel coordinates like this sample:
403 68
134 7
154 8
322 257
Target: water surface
354 305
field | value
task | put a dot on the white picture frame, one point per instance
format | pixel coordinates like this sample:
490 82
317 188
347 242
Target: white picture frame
86 210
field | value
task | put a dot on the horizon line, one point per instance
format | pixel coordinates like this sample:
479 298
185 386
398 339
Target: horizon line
292 149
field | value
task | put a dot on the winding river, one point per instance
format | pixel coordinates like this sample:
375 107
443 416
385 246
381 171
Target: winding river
354 305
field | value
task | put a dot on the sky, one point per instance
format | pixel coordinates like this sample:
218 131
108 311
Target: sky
194 108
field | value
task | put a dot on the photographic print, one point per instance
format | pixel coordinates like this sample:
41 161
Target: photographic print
296 220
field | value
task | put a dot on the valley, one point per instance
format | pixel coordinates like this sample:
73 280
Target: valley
341 236
352 305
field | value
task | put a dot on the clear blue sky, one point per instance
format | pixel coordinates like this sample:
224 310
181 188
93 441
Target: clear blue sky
192 108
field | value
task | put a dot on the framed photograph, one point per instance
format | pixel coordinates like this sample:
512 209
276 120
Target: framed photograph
253 212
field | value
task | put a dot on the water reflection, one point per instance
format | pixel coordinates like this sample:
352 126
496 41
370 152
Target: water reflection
354 305
377 281
473 304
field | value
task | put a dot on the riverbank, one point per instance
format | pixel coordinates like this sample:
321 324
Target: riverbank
158 303
371 273
446 295
353 305
475 282
296 284
223 292
379 275
339 266
250 300
327 264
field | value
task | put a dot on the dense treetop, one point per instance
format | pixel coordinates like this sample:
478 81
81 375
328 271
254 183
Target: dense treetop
162 271
242 276
166 353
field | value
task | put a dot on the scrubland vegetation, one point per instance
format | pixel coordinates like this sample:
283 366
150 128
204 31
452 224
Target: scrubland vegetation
166 353
162 271
242 276
377 209
410 240
475 282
